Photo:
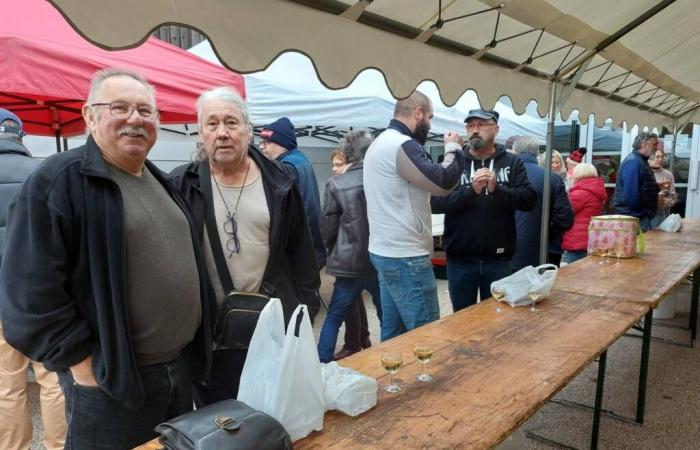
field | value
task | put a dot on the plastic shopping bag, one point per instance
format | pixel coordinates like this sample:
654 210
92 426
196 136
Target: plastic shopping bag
347 390
282 373
671 223
527 279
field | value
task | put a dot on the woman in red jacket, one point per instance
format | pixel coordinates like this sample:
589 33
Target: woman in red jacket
587 197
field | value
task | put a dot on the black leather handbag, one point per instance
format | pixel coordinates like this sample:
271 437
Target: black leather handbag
239 312
226 425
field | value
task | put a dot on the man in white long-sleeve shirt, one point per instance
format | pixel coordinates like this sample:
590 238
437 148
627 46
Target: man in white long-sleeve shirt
399 178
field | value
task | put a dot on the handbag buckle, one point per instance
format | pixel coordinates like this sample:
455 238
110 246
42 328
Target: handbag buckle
222 421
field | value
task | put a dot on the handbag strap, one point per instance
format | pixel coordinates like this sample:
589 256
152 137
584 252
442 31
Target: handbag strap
212 231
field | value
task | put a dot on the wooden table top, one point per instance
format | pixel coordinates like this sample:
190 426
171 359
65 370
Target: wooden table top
668 259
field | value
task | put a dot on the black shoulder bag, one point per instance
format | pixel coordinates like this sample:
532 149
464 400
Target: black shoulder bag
239 312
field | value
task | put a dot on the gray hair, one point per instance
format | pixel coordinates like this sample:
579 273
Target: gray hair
642 138
405 107
227 95
584 170
526 145
354 145
102 75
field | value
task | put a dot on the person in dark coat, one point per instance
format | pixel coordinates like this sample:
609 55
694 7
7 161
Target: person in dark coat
279 142
636 191
256 222
529 223
588 197
111 293
346 233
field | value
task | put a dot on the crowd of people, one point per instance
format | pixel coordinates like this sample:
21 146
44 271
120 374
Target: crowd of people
113 274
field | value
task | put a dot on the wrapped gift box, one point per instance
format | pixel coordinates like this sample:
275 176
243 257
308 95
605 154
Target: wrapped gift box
614 234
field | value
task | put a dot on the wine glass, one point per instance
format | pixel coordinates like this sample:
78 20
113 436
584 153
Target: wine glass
534 295
423 353
392 363
499 294
619 250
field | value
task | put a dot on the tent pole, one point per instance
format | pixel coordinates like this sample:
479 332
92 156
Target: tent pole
58 140
672 161
547 189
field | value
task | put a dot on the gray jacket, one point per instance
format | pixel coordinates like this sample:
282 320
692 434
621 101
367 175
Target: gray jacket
344 225
16 164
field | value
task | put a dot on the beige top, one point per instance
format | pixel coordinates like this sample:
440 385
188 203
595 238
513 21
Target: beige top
247 267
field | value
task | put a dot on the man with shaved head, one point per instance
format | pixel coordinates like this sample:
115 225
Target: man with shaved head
399 178
112 291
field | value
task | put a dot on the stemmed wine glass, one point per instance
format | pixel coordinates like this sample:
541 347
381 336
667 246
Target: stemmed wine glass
499 294
392 363
534 295
619 250
423 353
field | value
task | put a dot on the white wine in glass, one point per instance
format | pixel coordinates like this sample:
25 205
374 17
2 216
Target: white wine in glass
498 294
619 250
423 353
534 296
392 363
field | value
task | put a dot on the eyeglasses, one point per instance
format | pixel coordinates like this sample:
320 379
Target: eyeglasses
233 245
479 125
123 110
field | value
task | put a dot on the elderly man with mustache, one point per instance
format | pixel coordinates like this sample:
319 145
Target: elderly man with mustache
480 233
111 293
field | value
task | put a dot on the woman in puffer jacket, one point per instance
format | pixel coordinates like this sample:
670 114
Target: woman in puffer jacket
587 197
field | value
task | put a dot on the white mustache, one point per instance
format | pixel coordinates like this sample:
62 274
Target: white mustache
127 130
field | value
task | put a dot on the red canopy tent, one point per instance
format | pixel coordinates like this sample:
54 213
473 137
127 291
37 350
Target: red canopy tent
46 67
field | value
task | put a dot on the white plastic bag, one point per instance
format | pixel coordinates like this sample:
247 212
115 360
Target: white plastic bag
282 373
671 223
347 390
527 279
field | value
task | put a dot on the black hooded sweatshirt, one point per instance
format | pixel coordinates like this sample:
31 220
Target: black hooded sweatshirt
482 225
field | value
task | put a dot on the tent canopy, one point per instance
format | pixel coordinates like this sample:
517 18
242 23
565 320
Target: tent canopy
636 58
47 67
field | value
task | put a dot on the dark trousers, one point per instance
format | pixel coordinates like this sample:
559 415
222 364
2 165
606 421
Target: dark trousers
226 369
99 422
356 327
467 277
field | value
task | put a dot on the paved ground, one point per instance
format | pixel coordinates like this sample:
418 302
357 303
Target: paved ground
673 398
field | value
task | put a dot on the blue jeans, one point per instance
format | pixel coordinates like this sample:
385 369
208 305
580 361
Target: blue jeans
408 292
345 293
99 422
572 257
468 276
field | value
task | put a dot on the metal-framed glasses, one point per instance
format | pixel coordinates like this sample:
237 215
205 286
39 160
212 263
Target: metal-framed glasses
479 125
123 110
233 245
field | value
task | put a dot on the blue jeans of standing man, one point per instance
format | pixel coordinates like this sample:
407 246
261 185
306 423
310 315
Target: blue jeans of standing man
408 291
345 293
98 422
468 276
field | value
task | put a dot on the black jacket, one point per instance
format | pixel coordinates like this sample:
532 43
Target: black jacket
529 224
291 273
68 300
16 164
483 226
344 225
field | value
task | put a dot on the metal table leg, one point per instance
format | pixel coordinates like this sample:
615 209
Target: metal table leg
598 400
644 367
694 306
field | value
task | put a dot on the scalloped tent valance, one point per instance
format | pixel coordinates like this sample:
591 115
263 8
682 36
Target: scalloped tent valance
634 63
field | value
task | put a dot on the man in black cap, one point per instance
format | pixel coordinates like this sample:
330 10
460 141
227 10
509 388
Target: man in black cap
16 164
480 214
279 143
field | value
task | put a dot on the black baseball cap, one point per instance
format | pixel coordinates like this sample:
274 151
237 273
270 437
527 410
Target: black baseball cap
482 114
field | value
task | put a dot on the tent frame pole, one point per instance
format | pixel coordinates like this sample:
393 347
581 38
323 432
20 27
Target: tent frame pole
547 189
672 161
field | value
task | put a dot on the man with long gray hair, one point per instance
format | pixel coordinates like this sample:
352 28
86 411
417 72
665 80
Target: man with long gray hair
345 232
111 292
250 216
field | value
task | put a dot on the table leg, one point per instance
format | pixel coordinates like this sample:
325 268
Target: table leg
598 400
644 366
694 306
